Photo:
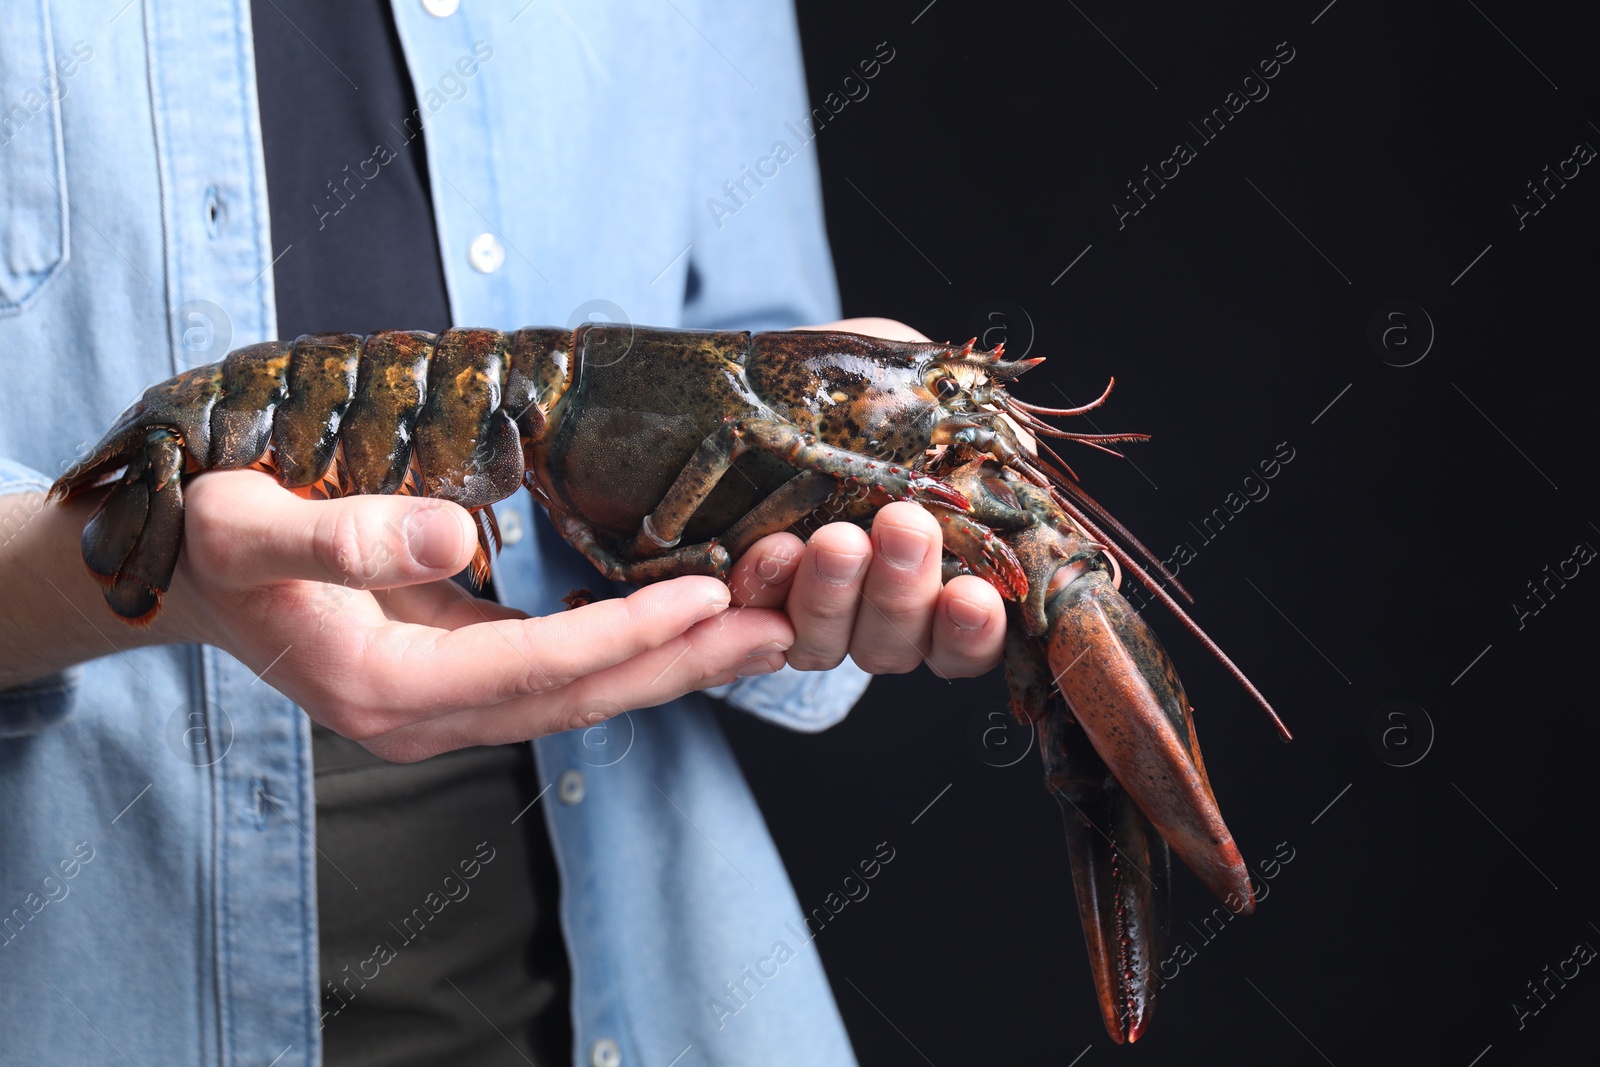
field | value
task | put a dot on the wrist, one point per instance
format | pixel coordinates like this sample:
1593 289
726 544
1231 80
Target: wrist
55 615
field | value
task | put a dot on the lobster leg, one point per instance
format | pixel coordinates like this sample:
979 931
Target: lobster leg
1125 693
662 528
793 503
1121 869
885 481
707 558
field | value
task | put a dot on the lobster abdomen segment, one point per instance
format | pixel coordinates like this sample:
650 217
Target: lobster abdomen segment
380 424
305 427
467 448
254 381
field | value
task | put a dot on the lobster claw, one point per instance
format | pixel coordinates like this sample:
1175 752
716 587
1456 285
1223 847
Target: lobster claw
1121 871
1121 868
987 556
1125 694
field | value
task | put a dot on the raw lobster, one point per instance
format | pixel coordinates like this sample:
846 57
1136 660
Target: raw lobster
628 436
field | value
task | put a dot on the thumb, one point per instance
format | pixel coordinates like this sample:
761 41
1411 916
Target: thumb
246 530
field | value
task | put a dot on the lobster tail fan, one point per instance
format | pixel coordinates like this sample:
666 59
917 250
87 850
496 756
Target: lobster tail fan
132 541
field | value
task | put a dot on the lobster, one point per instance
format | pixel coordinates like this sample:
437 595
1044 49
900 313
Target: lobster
628 437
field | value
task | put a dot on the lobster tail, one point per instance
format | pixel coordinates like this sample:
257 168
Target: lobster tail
327 415
132 541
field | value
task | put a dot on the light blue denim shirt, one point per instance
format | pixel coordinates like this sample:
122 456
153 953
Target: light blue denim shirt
157 848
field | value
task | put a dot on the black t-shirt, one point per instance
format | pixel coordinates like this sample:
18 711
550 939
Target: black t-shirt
439 934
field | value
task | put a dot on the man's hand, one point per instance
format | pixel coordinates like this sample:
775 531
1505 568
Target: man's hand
345 607
348 601
877 599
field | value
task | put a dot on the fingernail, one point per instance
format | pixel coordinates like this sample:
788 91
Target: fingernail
839 568
775 569
712 609
902 547
768 649
966 615
435 538
764 665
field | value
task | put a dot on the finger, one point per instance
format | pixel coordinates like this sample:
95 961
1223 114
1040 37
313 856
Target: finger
740 642
889 329
826 594
409 672
969 629
243 530
443 605
763 575
900 593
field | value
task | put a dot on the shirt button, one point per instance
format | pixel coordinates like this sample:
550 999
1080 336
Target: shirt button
510 527
486 253
441 9
605 1053
570 789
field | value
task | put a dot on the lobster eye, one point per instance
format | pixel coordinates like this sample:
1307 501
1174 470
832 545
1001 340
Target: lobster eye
947 388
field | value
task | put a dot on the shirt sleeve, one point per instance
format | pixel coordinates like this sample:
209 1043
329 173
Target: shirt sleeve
808 701
16 478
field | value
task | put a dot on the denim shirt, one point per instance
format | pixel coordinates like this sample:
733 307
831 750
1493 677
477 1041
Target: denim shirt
157 844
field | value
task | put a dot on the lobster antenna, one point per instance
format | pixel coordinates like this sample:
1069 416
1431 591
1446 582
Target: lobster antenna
1044 429
1066 483
1022 413
1173 606
1039 429
1038 410
1076 490
1093 439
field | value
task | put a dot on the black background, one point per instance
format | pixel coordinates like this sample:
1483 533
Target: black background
1383 565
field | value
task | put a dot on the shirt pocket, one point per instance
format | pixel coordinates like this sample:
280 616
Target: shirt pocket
33 180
